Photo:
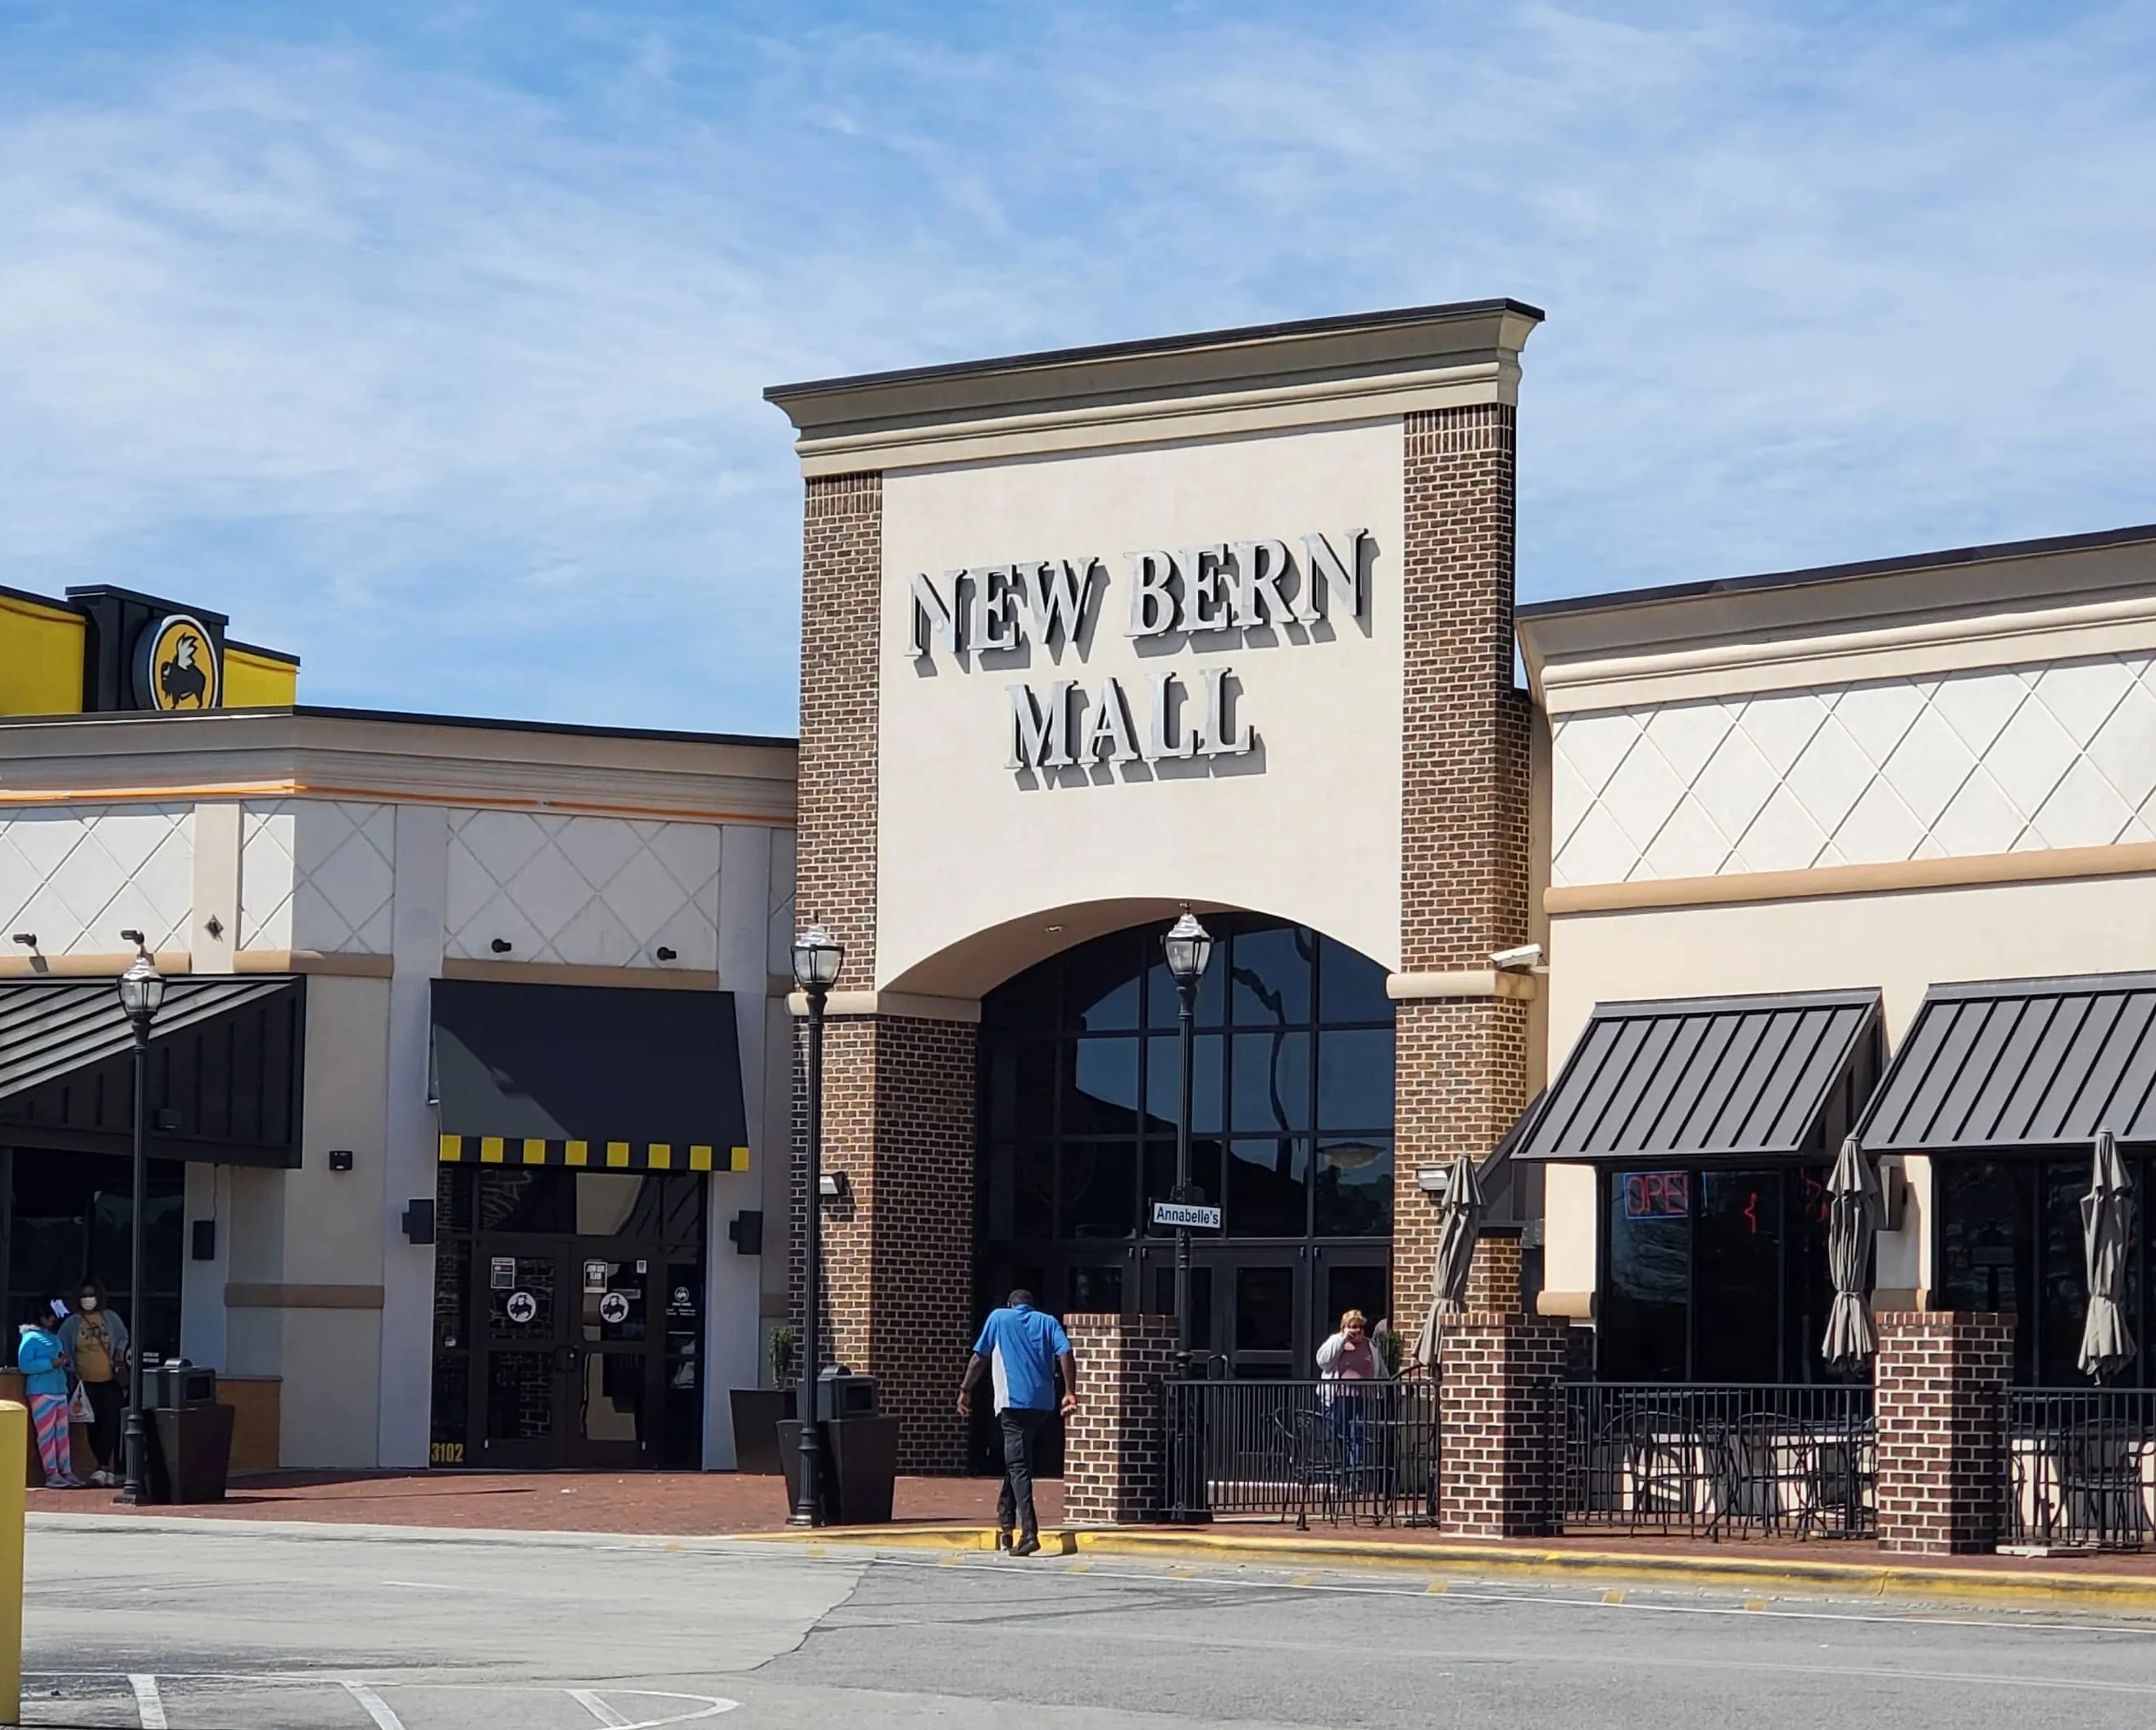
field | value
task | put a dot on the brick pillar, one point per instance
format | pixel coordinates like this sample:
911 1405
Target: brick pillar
1497 1417
898 1090
898 1248
1115 1451
1462 1074
1940 1383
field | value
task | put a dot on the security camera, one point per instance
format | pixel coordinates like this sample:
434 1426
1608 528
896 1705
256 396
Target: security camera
1522 960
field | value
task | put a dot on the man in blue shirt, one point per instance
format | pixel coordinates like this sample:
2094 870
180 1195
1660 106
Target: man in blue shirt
1020 1350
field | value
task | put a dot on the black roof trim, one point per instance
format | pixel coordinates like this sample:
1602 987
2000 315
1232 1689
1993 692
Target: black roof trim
1841 573
405 717
1158 344
232 643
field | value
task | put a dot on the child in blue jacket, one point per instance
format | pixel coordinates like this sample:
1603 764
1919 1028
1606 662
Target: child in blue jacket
44 1368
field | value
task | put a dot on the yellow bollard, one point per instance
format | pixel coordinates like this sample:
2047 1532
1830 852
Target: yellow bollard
14 1440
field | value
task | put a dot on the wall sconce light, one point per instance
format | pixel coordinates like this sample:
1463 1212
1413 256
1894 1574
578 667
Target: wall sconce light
1433 1179
835 1187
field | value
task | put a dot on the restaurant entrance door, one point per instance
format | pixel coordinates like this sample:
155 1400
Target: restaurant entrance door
570 1348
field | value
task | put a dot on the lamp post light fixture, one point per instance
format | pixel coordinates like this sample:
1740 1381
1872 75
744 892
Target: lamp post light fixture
1189 947
817 956
141 995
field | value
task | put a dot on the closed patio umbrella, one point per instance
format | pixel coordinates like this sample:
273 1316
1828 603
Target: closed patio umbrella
2107 1229
1852 1221
1459 1224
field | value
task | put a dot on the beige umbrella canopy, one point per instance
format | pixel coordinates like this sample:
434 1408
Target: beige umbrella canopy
1852 1222
1459 1223
2106 1232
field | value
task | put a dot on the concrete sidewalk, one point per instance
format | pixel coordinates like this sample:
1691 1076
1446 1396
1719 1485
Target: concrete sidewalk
2115 1583
957 1515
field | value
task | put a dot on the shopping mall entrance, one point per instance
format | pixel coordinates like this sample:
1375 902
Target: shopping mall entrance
1291 1138
569 1322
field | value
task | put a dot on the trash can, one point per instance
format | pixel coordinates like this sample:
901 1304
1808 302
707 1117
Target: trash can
189 1434
859 1452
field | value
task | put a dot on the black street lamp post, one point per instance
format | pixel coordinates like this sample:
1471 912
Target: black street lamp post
817 959
1189 948
141 993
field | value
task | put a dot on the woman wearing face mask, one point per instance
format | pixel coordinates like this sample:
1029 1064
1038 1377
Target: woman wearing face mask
95 1340
44 1367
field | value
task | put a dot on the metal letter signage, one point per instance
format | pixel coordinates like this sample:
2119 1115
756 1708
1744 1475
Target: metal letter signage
990 616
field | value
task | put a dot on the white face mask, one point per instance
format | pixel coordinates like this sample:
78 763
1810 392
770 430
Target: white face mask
88 1303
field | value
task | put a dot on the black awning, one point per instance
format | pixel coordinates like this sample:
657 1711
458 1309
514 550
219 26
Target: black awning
583 1074
1776 1077
2010 1065
224 1070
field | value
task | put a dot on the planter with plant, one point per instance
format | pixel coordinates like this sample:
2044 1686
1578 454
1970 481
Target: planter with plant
757 1412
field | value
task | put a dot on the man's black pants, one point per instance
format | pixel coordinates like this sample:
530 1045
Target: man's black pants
1019 1427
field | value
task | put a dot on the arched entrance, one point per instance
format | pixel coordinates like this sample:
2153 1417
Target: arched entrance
1292 1136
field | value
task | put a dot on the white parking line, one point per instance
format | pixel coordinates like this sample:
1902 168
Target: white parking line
597 1707
378 1708
147 1706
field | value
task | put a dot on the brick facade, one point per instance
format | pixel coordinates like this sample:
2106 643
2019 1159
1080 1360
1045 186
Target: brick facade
1939 1387
1498 1422
1493 1274
841 584
1462 1074
899 1105
1114 1450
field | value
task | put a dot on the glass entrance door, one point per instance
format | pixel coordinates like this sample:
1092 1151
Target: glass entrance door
570 1369
525 1350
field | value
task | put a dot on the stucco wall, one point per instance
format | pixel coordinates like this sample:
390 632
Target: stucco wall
1306 826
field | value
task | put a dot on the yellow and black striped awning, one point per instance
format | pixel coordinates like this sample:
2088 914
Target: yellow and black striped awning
592 1156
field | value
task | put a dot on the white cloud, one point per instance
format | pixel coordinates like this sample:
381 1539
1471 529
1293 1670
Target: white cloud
448 375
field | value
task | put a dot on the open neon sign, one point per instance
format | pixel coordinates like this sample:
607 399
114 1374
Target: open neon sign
1657 1195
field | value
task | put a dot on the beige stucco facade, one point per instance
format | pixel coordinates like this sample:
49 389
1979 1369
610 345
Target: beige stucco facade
1323 775
1941 771
373 854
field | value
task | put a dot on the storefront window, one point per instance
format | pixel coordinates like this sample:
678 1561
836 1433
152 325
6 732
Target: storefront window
71 1219
2009 1239
1291 1113
1714 1276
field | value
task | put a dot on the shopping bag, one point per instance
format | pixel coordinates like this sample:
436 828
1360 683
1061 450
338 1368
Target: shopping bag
80 1410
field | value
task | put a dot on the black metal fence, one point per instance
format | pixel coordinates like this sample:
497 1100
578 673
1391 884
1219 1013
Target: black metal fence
1796 1461
1342 1452
2082 1467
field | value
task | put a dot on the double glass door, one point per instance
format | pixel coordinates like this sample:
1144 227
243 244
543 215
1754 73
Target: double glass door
1263 1313
571 1339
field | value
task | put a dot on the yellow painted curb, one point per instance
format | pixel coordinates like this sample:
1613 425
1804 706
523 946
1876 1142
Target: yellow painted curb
2095 1591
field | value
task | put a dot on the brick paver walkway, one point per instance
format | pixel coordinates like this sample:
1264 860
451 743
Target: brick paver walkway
674 1504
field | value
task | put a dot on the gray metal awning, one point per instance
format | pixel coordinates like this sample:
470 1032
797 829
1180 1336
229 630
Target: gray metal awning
2016 1065
1775 1077
51 1028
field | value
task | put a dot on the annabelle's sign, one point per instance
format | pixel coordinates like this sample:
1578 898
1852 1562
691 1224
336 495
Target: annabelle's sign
989 617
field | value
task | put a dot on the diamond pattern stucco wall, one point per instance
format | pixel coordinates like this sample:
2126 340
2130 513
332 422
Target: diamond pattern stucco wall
2010 759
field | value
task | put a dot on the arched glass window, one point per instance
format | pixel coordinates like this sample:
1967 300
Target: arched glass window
1291 1121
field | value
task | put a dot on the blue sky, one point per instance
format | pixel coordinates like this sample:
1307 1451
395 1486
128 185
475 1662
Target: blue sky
427 340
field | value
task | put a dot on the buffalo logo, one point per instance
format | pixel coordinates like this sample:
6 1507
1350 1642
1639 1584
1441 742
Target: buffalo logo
176 666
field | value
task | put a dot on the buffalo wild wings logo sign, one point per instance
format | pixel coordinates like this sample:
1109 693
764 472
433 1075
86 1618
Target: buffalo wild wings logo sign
177 665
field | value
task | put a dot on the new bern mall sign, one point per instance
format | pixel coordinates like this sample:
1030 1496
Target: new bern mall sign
1254 595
